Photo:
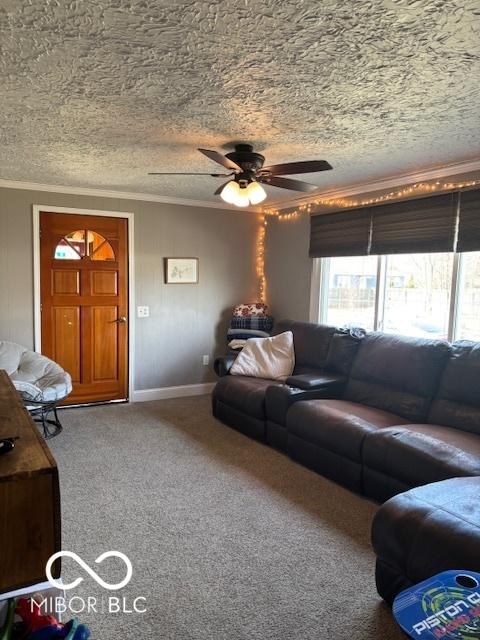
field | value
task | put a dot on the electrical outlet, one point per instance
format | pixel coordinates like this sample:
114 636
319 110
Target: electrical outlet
143 312
206 360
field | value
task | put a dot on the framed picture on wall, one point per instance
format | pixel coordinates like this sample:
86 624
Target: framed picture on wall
181 270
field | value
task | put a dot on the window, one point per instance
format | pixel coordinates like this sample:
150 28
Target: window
468 314
351 291
81 243
417 294
428 295
71 247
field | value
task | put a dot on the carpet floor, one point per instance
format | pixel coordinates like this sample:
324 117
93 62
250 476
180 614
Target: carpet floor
228 538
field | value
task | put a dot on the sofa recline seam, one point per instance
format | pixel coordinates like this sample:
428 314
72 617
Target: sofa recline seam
451 513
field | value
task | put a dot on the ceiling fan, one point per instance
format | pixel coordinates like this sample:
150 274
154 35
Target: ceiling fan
247 174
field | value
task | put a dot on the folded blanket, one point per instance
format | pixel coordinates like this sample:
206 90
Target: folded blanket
245 334
264 323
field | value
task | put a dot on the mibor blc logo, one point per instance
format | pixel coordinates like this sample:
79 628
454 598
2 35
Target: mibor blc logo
77 604
89 570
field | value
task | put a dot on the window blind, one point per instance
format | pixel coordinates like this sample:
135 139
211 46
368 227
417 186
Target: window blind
469 221
340 234
424 225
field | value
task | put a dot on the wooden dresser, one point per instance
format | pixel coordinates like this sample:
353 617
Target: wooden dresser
29 497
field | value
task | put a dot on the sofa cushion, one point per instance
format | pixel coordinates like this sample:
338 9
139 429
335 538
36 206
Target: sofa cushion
457 401
397 374
244 393
416 454
311 342
341 352
337 425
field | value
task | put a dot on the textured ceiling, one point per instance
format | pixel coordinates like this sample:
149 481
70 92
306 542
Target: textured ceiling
96 93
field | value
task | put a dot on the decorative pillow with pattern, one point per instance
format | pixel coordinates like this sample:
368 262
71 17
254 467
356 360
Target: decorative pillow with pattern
251 309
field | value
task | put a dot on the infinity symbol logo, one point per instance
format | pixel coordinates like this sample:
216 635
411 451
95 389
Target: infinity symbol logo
89 570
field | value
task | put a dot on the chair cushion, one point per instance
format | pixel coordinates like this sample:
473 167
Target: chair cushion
47 390
416 454
244 393
337 425
10 356
35 377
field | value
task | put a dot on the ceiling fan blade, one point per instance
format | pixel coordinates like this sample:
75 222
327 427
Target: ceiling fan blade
214 175
292 168
217 157
288 183
220 188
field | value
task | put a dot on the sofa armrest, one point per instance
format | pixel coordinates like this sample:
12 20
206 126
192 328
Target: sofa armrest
311 381
223 365
278 399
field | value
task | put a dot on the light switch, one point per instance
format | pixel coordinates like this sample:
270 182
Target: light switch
143 312
206 360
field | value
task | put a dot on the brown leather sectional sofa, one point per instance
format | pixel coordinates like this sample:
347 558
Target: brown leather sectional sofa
381 414
323 358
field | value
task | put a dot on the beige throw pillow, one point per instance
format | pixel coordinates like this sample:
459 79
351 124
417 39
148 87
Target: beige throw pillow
272 358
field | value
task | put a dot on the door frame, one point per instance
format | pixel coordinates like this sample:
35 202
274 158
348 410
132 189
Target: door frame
37 208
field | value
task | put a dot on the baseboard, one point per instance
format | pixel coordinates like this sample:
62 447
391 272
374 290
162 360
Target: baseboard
144 395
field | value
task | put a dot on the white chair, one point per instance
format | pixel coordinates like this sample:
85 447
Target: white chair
41 383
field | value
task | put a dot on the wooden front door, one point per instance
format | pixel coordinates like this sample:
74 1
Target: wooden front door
84 302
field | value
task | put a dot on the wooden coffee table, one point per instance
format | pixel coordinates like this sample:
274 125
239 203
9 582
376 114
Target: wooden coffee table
29 497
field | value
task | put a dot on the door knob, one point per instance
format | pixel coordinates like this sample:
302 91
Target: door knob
121 320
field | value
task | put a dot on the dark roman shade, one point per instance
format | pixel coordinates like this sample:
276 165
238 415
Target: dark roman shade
340 234
469 221
424 225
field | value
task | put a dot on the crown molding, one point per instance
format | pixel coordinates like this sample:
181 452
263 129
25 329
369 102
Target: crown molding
364 187
445 171
122 195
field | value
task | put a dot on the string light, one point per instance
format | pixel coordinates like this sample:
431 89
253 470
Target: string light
344 203
418 187
260 259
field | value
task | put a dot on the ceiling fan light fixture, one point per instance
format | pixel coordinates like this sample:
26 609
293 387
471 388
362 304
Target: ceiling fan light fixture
233 193
256 193
230 192
242 199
